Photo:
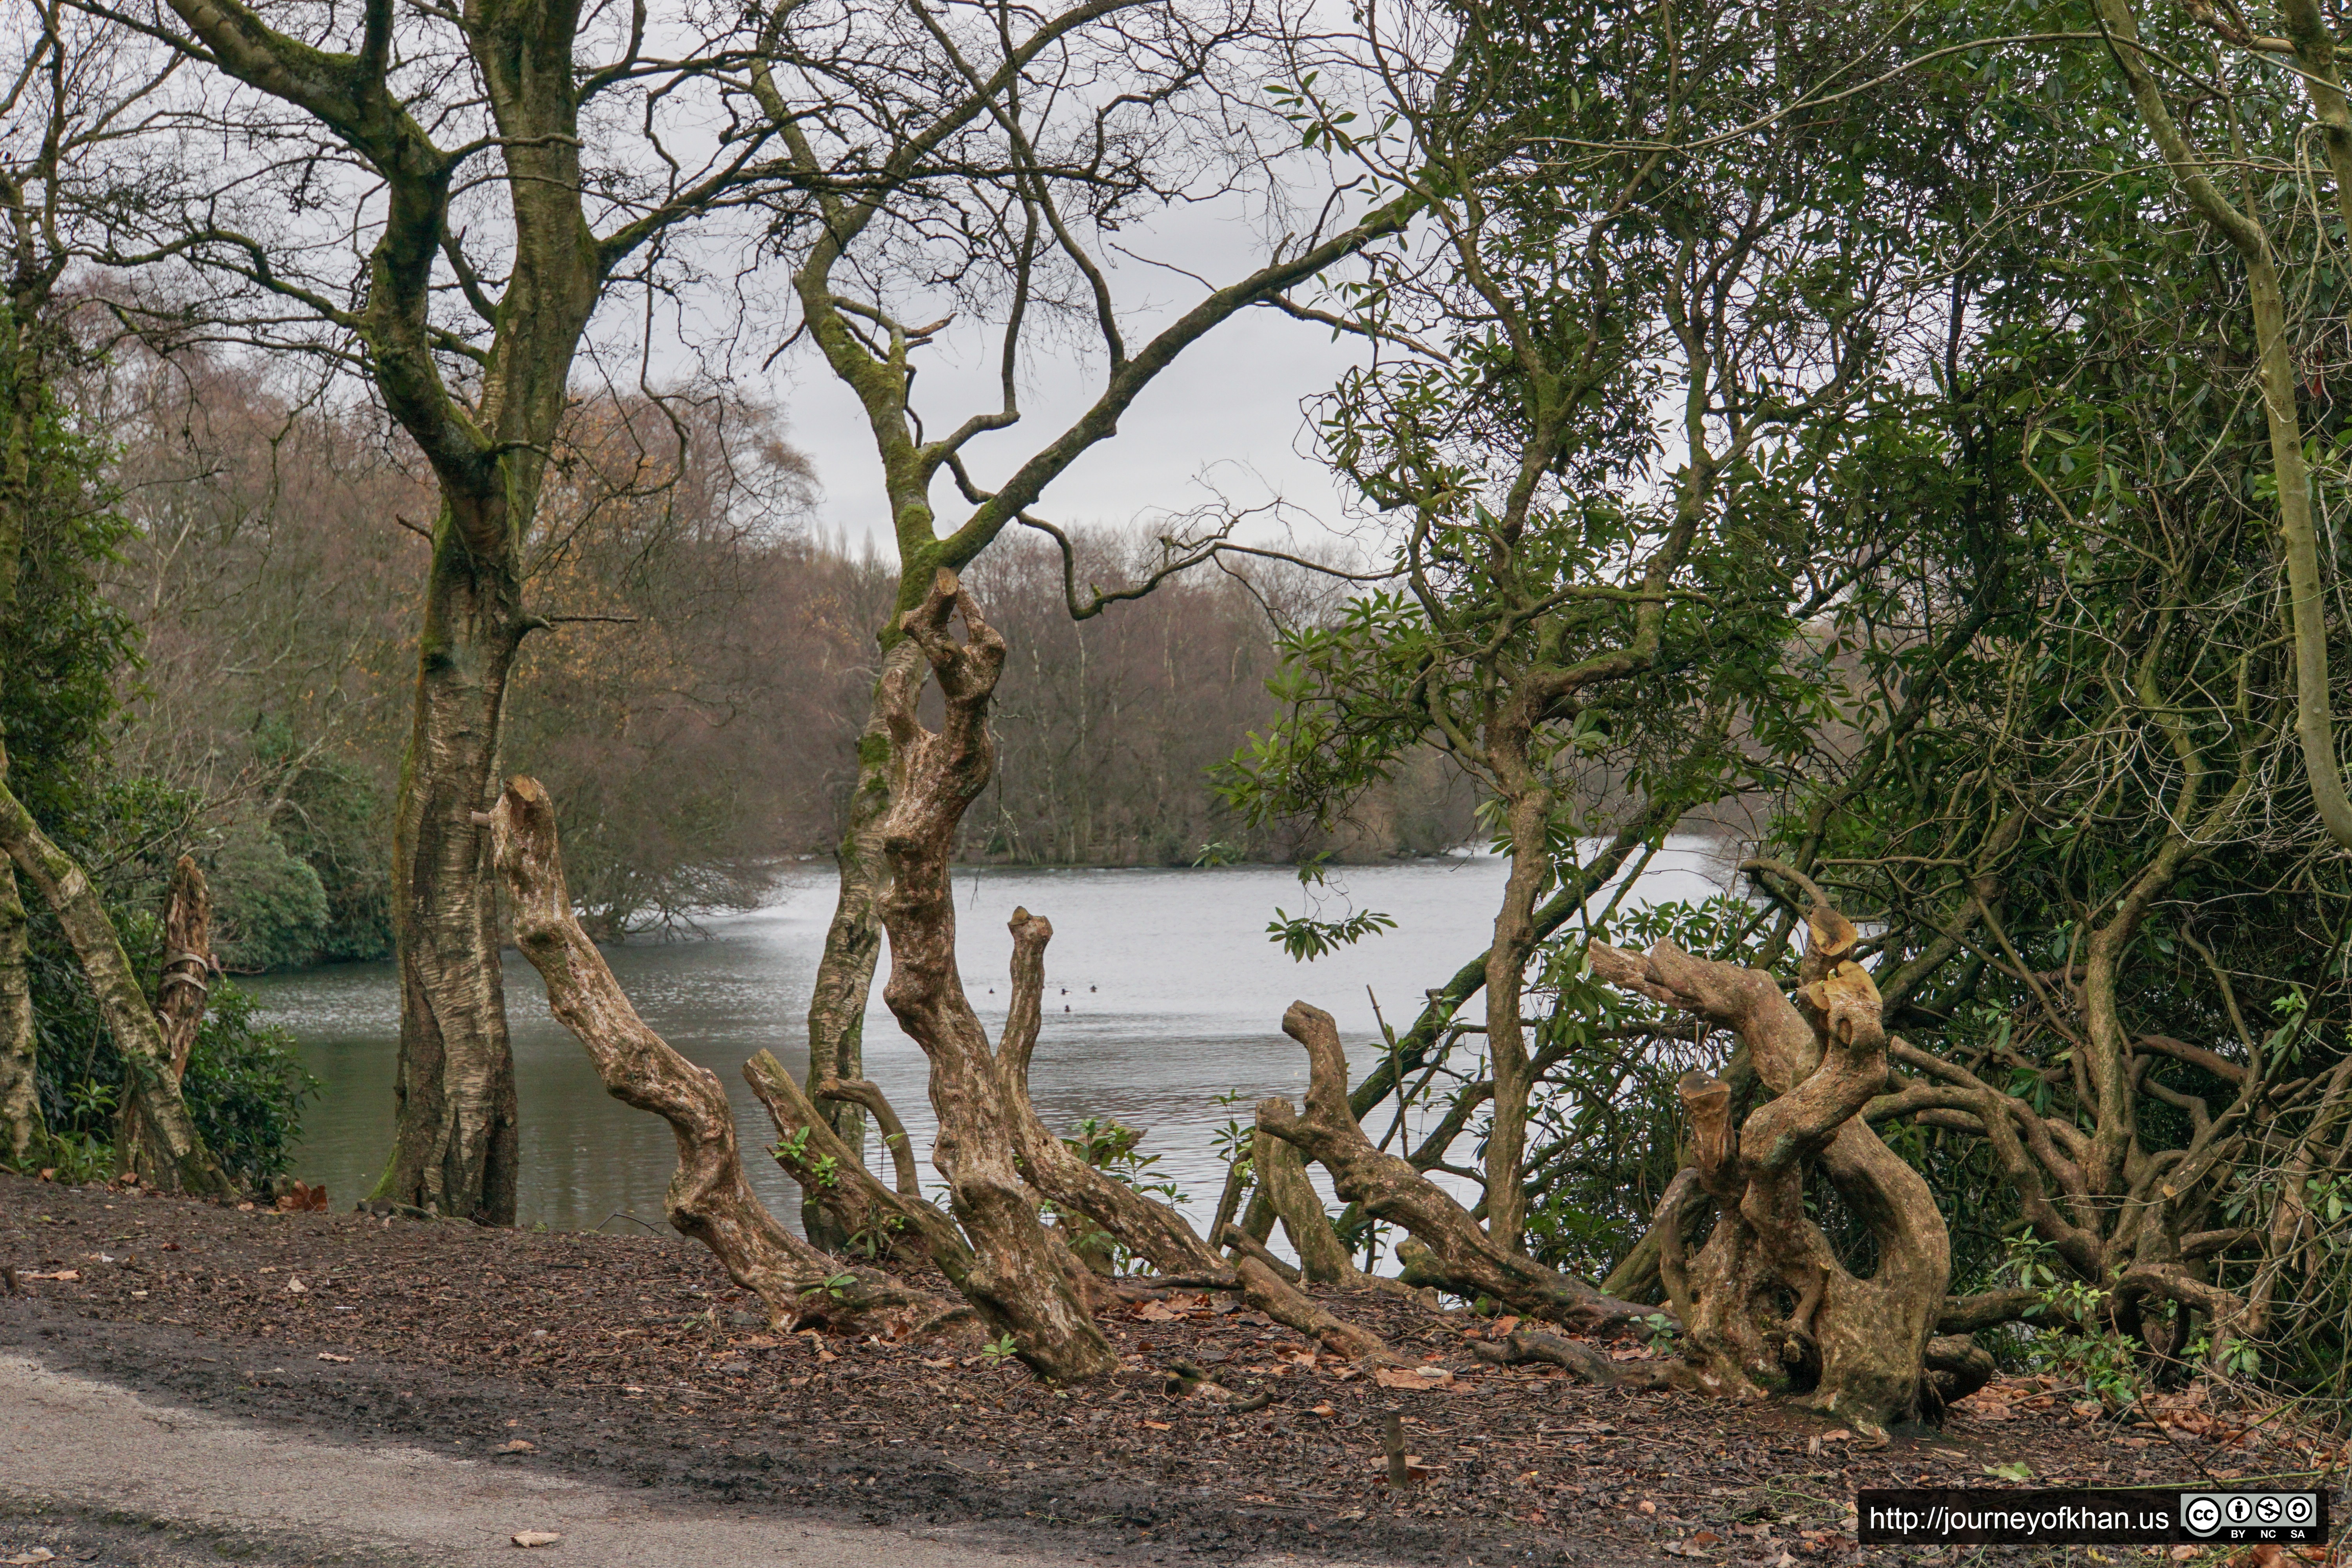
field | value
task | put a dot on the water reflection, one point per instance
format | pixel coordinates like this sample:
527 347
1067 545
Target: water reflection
1162 993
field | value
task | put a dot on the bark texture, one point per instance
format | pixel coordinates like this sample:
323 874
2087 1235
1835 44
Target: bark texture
148 1080
22 1129
179 997
853 946
1461 1254
872 1217
1016 1280
708 1198
1145 1227
455 1137
1323 1258
1766 1306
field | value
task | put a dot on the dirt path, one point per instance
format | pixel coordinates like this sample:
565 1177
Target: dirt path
71 1448
431 1388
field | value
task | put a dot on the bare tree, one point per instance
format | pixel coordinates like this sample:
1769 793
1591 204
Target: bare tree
982 161
499 187
73 91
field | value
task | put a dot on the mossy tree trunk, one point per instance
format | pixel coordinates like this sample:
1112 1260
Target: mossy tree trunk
1016 1279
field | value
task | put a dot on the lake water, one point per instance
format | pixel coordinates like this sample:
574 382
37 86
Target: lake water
1162 993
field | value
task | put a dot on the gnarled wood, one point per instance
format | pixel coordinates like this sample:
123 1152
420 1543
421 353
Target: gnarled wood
180 1002
22 1128
1016 1281
1145 1228
858 1208
186 1163
1765 1304
1322 1258
1388 1188
708 1197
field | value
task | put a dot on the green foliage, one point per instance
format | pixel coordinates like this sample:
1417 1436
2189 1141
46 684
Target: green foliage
1109 1146
64 648
245 1087
271 906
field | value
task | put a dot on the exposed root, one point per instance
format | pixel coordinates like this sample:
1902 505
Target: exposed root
708 1197
1460 1254
1592 1364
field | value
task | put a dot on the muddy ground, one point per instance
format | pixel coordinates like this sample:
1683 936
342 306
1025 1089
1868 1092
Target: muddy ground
634 1359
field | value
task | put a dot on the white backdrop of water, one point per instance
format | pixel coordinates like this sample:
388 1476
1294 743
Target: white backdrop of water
1162 993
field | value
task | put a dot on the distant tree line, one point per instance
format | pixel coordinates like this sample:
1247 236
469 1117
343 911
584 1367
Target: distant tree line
694 703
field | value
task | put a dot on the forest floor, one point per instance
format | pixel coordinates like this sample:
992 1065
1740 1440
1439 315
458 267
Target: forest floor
632 1360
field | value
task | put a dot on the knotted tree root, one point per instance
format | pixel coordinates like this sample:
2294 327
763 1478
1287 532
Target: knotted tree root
1765 1304
1145 1227
708 1198
1460 1256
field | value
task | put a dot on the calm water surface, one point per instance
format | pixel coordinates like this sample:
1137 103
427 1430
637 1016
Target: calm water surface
1162 992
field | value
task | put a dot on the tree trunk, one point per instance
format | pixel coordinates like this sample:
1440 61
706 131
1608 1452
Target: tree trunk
147 1077
871 1216
1323 1260
1463 1257
1529 816
853 946
456 1143
1766 1306
708 1198
1015 1280
22 1129
1145 1227
179 997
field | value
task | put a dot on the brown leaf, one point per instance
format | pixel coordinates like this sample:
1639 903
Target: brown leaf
535 1538
1412 1377
329 1356
1159 1313
1323 1410
68 1275
1157 1426
518 1446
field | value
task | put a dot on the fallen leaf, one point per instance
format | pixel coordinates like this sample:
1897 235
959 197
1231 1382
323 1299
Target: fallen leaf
37 1554
936 1366
1323 1410
1158 1312
68 1275
1840 1436
2015 1470
1157 1426
518 1446
535 1538
329 1356
1704 1537
1503 1327
1646 1505
296 1287
1412 1377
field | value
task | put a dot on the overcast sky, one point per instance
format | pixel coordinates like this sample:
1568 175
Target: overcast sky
1226 415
